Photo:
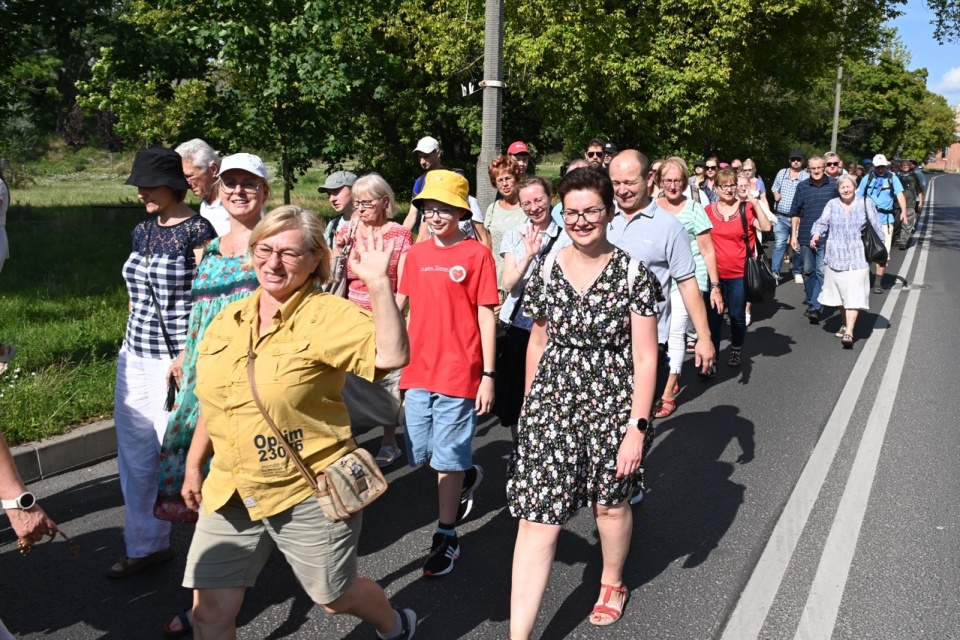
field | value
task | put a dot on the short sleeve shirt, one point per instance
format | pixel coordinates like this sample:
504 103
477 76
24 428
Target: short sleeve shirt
513 243
302 361
216 214
883 191
694 219
162 259
658 239
446 286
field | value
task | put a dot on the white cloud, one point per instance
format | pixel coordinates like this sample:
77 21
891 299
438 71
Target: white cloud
950 82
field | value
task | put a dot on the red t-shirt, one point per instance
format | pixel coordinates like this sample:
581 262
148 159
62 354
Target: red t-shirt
446 285
728 240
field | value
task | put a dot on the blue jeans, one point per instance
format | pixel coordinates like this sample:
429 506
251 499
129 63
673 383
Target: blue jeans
735 299
813 273
781 233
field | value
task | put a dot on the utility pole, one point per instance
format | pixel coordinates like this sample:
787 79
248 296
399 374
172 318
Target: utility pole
836 108
492 84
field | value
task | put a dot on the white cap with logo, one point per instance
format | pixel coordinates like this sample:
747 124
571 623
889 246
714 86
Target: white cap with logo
880 160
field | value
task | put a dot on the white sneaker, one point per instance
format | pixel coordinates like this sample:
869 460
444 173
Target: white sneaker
798 278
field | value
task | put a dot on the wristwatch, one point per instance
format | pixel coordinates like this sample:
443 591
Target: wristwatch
23 502
640 423
489 374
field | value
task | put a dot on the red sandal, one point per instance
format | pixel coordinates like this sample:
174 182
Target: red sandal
604 609
665 408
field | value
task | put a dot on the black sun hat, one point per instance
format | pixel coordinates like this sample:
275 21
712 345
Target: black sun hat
158 167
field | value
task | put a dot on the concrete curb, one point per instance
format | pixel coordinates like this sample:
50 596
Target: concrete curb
81 447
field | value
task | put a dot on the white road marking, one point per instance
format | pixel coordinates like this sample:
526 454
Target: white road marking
823 603
758 595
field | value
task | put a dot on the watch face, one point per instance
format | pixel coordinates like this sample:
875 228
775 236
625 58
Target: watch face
27 500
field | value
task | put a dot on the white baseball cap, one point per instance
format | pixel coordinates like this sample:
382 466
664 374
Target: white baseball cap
880 160
245 162
427 145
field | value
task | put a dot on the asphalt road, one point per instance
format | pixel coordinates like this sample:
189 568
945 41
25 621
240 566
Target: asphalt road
809 494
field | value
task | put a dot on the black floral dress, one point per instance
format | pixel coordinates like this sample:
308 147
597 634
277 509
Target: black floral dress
575 417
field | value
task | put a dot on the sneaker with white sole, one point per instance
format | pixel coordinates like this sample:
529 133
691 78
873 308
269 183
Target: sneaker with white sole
798 278
466 494
443 553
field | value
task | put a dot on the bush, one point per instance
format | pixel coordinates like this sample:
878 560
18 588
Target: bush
19 141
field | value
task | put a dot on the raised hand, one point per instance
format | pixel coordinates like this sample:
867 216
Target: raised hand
370 258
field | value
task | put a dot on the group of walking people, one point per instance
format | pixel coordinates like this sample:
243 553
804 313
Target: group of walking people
568 317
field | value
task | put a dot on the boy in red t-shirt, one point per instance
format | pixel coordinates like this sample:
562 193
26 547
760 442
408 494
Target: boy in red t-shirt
451 283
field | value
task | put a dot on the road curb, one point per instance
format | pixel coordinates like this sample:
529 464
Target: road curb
81 447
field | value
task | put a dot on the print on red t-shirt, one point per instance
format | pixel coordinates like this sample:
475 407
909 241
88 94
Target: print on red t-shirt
445 286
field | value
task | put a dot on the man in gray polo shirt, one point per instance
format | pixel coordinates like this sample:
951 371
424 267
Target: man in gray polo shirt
339 186
654 236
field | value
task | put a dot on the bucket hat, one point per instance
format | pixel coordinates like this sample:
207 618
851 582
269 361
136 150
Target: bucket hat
447 187
158 167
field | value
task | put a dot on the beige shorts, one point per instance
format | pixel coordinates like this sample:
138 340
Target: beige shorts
229 550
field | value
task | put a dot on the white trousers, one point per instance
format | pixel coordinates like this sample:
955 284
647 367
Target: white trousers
677 342
140 422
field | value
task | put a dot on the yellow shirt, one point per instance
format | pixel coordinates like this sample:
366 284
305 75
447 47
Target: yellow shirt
302 361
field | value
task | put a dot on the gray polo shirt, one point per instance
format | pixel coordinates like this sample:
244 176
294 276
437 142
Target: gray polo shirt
658 239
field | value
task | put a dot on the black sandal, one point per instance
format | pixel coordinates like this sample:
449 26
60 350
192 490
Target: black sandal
734 360
847 341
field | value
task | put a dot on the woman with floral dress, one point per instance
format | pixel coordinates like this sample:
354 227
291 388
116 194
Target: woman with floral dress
591 370
223 276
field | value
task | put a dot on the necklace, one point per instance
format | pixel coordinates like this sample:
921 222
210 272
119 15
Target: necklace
596 273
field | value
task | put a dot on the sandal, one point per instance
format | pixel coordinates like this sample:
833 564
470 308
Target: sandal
612 614
665 408
186 627
127 566
389 453
691 346
734 360
842 332
847 341
878 289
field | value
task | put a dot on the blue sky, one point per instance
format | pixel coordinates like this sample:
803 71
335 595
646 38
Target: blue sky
941 61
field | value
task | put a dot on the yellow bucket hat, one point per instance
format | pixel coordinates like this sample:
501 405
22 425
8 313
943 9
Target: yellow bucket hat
448 187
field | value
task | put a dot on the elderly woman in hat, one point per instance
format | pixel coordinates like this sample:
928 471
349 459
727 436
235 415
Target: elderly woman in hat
158 274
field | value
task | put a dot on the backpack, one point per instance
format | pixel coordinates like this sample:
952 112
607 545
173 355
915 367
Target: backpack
889 177
911 187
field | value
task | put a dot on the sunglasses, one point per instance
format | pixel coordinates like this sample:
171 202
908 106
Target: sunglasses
833 164
711 167
594 154
796 159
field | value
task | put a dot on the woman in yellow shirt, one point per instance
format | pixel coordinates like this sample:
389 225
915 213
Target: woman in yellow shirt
305 343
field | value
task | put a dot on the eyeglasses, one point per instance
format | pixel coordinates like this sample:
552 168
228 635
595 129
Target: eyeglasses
505 179
366 204
711 167
833 164
747 169
591 215
727 187
229 185
672 181
536 202
594 154
814 168
625 183
443 214
288 257
796 159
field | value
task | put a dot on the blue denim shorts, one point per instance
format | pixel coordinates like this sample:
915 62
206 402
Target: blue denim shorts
439 428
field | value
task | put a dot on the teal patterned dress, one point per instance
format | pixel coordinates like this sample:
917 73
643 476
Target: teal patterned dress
220 280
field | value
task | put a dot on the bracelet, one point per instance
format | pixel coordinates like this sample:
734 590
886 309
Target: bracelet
489 374
715 285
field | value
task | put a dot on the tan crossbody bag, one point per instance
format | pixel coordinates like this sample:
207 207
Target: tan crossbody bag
343 488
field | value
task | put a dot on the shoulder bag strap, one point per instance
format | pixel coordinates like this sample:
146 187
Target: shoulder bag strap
156 302
633 270
297 460
746 234
550 243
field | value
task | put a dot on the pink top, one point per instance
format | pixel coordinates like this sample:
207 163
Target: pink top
356 290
